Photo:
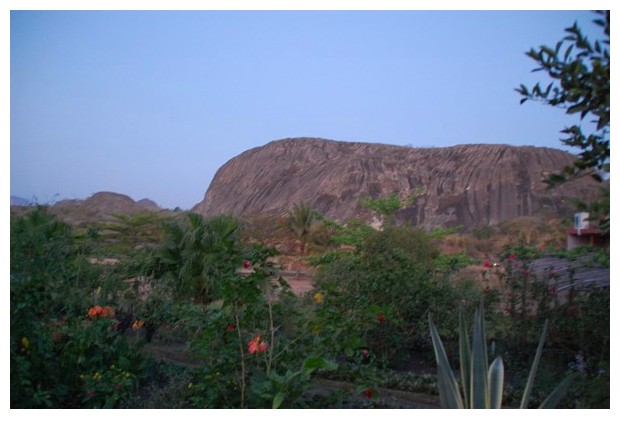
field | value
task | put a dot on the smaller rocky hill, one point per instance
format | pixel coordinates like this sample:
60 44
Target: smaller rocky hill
101 206
148 204
19 201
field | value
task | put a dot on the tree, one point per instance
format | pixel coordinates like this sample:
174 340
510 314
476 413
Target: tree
199 254
387 207
581 80
302 218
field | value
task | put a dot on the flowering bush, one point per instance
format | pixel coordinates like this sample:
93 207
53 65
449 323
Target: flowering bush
107 388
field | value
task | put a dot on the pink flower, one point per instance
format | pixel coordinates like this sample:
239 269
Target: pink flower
230 328
256 345
511 257
486 264
365 352
246 264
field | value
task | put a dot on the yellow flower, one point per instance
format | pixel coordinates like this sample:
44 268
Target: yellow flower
25 342
319 298
315 330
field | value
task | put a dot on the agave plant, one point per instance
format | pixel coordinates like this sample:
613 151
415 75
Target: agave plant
482 384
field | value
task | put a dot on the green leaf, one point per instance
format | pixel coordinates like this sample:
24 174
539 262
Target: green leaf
446 382
480 386
530 380
277 400
576 108
496 383
556 395
465 359
316 363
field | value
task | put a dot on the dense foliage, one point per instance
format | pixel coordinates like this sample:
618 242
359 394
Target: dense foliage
201 318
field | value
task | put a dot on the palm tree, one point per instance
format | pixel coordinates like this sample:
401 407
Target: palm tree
198 254
302 218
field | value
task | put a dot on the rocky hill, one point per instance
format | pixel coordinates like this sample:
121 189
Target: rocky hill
148 204
100 206
469 185
19 201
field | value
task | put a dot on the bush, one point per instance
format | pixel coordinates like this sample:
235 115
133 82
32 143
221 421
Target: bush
377 298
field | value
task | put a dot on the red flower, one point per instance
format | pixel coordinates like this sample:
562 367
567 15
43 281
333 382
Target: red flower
246 264
95 311
256 345
230 328
367 393
511 257
486 264
365 352
380 317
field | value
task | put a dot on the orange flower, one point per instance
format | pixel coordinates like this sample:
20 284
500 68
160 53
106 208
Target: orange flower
99 311
138 324
95 311
256 345
107 311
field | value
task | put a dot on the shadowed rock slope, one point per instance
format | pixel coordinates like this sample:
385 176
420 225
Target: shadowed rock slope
469 185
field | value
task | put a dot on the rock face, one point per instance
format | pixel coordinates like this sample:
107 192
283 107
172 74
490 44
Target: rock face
469 185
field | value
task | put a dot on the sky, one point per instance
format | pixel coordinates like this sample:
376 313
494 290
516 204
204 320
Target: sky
151 103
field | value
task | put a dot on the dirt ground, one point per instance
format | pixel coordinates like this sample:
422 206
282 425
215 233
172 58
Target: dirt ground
299 286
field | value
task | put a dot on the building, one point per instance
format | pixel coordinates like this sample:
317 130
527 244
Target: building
584 233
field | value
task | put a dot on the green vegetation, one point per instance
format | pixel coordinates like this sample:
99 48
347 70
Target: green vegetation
387 207
482 385
580 71
199 316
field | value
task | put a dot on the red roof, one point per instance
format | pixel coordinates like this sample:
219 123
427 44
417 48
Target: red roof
584 231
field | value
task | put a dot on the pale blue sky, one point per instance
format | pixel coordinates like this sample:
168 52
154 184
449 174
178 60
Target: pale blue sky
151 104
